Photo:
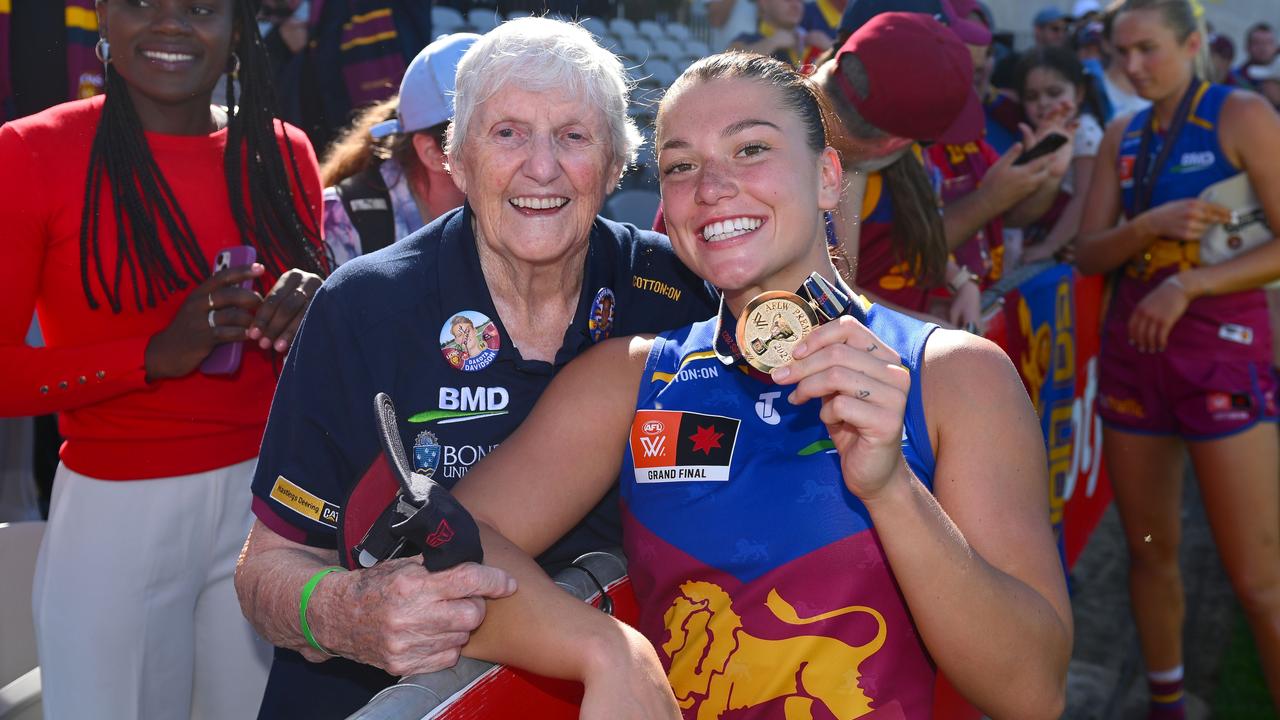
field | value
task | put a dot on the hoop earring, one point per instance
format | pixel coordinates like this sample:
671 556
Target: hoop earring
234 72
102 50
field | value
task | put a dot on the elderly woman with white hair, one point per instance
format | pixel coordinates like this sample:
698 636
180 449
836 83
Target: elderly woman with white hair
540 136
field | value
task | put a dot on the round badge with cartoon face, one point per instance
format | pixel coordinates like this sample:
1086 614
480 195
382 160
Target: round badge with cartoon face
470 341
600 321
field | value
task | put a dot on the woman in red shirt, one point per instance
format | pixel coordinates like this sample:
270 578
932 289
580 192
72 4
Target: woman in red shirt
114 209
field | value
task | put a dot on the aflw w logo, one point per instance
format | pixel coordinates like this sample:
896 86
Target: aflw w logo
675 446
653 446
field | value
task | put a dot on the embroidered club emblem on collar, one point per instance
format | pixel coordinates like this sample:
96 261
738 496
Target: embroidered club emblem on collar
600 321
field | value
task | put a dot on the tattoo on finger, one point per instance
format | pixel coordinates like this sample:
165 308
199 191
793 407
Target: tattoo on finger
872 347
864 394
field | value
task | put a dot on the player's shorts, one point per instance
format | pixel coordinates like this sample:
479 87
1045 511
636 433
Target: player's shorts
1214 379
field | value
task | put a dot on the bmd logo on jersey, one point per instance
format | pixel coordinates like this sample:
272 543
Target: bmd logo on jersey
1193 161
462 404
672 446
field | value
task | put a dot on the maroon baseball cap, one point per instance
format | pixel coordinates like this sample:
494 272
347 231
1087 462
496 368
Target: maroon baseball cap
971 30
919 79
955 14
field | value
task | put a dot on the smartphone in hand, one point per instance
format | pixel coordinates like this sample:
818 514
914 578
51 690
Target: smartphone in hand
225 358
1046 146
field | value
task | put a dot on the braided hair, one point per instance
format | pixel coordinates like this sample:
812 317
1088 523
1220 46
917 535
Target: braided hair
121 163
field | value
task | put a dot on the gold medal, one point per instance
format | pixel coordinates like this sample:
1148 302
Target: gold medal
771 325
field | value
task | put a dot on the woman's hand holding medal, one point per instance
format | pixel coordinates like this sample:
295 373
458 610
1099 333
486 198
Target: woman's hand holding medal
863 387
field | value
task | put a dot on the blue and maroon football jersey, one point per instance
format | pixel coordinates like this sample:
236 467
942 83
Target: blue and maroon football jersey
1197 160
880 268
1230 326
760 577
1214 378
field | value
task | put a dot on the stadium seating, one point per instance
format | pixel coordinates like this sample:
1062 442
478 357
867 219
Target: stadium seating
636 206
651 30
661 72
644 99
595 25
697 49
644 174
679 32
19 666
482 20
445 20
636 47
669 49
610 43
622 27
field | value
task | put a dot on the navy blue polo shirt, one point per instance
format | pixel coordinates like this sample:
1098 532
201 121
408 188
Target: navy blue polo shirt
415 320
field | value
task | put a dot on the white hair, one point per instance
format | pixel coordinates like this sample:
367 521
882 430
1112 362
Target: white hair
541 54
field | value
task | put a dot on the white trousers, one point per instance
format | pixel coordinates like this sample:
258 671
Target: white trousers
135 612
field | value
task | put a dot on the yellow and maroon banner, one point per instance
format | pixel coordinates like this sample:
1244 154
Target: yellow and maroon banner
1050 326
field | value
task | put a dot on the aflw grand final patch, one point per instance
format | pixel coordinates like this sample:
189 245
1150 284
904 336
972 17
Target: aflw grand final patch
674 446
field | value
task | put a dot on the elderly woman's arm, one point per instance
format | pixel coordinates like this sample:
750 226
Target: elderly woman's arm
406 620
396 615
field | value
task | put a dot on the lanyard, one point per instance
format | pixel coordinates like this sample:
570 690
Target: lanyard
1145 171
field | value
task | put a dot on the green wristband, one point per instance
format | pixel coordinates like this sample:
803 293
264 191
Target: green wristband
307 589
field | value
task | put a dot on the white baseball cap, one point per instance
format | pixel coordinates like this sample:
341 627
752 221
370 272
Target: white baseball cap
426 91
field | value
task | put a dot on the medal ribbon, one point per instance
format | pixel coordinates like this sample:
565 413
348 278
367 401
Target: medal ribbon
1145 171
827 299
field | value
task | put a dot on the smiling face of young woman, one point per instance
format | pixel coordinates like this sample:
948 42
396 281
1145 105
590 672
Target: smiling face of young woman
743 192
170 53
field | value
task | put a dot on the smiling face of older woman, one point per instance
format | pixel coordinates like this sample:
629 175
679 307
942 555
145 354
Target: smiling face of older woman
536 167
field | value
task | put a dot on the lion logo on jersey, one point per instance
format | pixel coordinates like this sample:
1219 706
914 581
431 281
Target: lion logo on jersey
718 666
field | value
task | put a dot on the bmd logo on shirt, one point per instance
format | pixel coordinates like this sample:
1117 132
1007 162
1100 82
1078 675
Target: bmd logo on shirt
672 446
1193 161
462 404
